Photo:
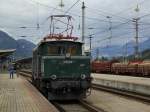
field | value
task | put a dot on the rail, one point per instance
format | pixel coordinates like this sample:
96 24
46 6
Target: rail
70 106
26 73
74 106
133 95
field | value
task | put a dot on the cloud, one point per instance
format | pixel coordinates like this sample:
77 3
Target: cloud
18 13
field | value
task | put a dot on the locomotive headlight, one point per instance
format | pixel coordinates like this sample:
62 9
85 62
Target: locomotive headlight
83 76
68 55
53 77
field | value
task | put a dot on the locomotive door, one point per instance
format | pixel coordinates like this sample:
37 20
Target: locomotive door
38 66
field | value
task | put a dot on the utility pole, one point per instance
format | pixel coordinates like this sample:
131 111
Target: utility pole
83 25
83 21
135 20
61 4
90 37
97 54
110 28
38 25
126 53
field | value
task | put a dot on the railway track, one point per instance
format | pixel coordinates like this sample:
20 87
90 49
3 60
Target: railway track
27 74
129 94
76 106
69 106
133 95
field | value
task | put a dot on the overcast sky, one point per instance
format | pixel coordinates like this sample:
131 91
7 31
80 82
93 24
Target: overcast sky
18 13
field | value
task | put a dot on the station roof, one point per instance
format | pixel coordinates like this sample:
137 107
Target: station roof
24 60
6 52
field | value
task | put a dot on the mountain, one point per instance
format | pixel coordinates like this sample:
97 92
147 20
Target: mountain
146 54
6 41
109 51
145 45
118 50
22 46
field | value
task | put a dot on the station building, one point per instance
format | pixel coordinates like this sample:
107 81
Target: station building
6 57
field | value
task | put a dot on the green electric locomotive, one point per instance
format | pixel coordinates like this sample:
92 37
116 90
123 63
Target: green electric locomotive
60 70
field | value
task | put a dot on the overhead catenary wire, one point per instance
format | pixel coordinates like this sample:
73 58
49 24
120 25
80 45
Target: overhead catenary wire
123 11
113 37
129 8
119 37
122 34
113 27
117 14
87 17
72 6
95 18
75 14
107 13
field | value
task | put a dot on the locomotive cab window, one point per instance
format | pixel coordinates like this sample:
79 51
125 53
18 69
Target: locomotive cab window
61 50
64 48
56 50
72 50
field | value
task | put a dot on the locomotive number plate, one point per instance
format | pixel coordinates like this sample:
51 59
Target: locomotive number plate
68 62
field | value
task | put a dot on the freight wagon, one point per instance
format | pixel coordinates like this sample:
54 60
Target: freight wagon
135 68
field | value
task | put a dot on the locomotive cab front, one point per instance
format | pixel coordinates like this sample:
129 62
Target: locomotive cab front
60 70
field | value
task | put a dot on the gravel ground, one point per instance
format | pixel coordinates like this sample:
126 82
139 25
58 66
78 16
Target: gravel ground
115 103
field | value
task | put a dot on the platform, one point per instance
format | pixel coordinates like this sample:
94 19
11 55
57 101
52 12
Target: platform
129 83
18 95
